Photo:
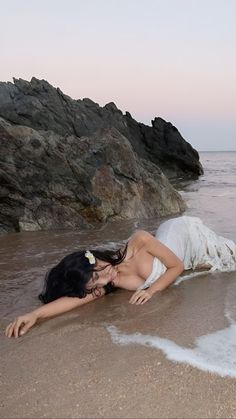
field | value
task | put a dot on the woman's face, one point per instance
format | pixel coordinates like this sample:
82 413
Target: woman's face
103 274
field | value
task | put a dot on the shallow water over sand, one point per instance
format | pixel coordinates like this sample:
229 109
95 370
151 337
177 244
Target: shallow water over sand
197 326
26 257
200 327
192 322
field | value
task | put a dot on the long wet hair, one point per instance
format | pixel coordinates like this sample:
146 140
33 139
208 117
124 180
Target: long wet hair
70 276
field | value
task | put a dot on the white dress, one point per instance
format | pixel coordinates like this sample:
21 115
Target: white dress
195 244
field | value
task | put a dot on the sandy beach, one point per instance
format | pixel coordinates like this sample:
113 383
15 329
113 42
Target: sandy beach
117 116
69 367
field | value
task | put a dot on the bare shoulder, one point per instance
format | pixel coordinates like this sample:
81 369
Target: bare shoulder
139 238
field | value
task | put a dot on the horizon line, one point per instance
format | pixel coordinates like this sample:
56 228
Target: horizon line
214 151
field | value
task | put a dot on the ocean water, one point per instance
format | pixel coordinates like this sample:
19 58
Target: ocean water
213 198
195 323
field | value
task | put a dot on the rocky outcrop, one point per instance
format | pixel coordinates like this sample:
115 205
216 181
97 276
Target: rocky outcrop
53 179
39 105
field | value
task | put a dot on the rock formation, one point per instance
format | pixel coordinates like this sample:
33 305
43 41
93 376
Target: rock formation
39 105
50 180
68 163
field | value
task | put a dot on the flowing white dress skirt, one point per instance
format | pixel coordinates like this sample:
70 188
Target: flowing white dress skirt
195 244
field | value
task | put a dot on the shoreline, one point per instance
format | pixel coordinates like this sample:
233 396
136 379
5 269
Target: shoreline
69 366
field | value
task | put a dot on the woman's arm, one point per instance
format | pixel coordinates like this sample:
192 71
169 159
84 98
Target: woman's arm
23 323
173 264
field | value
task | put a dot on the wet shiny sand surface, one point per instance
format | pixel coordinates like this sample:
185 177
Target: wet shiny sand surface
69 367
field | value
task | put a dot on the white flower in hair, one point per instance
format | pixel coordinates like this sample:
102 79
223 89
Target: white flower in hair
90 257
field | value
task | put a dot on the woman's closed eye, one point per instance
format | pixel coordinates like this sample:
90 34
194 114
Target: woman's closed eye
95 276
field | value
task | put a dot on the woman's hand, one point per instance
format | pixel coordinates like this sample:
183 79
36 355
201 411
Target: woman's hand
140 297
21 325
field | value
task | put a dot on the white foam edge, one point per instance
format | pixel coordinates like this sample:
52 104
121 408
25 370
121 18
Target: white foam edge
214 352
200 273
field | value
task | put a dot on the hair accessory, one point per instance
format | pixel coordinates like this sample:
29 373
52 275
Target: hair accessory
90 257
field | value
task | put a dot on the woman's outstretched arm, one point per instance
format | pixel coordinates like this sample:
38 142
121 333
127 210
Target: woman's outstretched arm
23 323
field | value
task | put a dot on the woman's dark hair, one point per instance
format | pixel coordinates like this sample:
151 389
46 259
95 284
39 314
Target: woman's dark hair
71 275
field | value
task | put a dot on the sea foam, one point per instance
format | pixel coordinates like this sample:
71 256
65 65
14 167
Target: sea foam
214 352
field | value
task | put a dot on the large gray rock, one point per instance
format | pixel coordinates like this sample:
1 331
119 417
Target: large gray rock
57 180
39 105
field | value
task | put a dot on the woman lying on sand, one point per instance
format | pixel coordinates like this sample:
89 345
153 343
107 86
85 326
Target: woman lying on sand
146 265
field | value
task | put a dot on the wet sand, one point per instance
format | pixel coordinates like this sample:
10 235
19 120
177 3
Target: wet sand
69 367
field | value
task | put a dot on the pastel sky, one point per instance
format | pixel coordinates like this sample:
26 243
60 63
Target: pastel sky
170 58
